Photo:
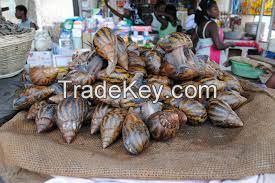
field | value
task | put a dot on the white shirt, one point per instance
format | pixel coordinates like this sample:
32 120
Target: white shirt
190 22
156 25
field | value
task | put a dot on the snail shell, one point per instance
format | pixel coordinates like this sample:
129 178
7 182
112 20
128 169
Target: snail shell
116 77
220 85
30 96
166 91
57 89
153 62
176 40
135 134
71 114
135 59
80 78
105 43
97 117
232 98
111 126
222 115
231 82
181 73
149 108
43 76
164 80
182 116
122 53
95 65
133 47
163 125
46 117
195 111
34 109
56 99
134 69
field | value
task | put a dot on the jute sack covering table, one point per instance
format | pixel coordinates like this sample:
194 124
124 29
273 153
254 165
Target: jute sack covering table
204 152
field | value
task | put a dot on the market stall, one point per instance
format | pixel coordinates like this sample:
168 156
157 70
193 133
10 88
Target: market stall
73 115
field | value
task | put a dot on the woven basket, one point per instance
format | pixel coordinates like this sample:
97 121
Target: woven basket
14 52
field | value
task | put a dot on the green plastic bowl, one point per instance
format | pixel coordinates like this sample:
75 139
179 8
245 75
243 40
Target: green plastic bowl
245 70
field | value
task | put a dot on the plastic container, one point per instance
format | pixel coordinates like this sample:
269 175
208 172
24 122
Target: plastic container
270 55
245 70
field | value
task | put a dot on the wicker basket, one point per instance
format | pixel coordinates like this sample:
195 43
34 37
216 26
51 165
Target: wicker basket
14 52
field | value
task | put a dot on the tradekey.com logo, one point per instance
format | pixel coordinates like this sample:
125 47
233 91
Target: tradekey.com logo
105 91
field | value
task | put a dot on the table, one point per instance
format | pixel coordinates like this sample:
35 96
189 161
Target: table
244 49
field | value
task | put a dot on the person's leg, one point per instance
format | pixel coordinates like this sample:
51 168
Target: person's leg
271 82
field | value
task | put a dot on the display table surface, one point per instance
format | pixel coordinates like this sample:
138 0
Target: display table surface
244 49
266 178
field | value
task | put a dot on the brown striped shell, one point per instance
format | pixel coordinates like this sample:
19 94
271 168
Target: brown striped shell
134 69
135 59
222 115
135 134
71 113
132 101
97 117
149 108
105 43
159 79
43 76
81 57
111 126
153 62
116 77
133 47
182 116
166 91
180 73
231 82
95 64
220 85
46 118
56 99
188 88
176 40
57 88
232 98
179 57
195 111
105 97
163 125
205 67
137 81
30 96
122 53
80 78
34 109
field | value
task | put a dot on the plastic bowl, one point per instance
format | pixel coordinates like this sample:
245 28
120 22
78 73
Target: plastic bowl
246 70
234 35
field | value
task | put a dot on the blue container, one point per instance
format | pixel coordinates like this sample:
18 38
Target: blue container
270 55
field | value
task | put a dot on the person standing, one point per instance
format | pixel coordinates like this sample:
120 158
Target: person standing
158 8
208 37
21 13
130 13
168 20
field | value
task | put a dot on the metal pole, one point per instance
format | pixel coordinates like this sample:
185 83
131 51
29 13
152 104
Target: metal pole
260 21
0 8
270 26
76 7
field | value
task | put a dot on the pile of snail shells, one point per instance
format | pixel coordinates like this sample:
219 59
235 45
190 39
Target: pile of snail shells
136 121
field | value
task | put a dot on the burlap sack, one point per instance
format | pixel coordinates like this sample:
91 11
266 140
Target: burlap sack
204 152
